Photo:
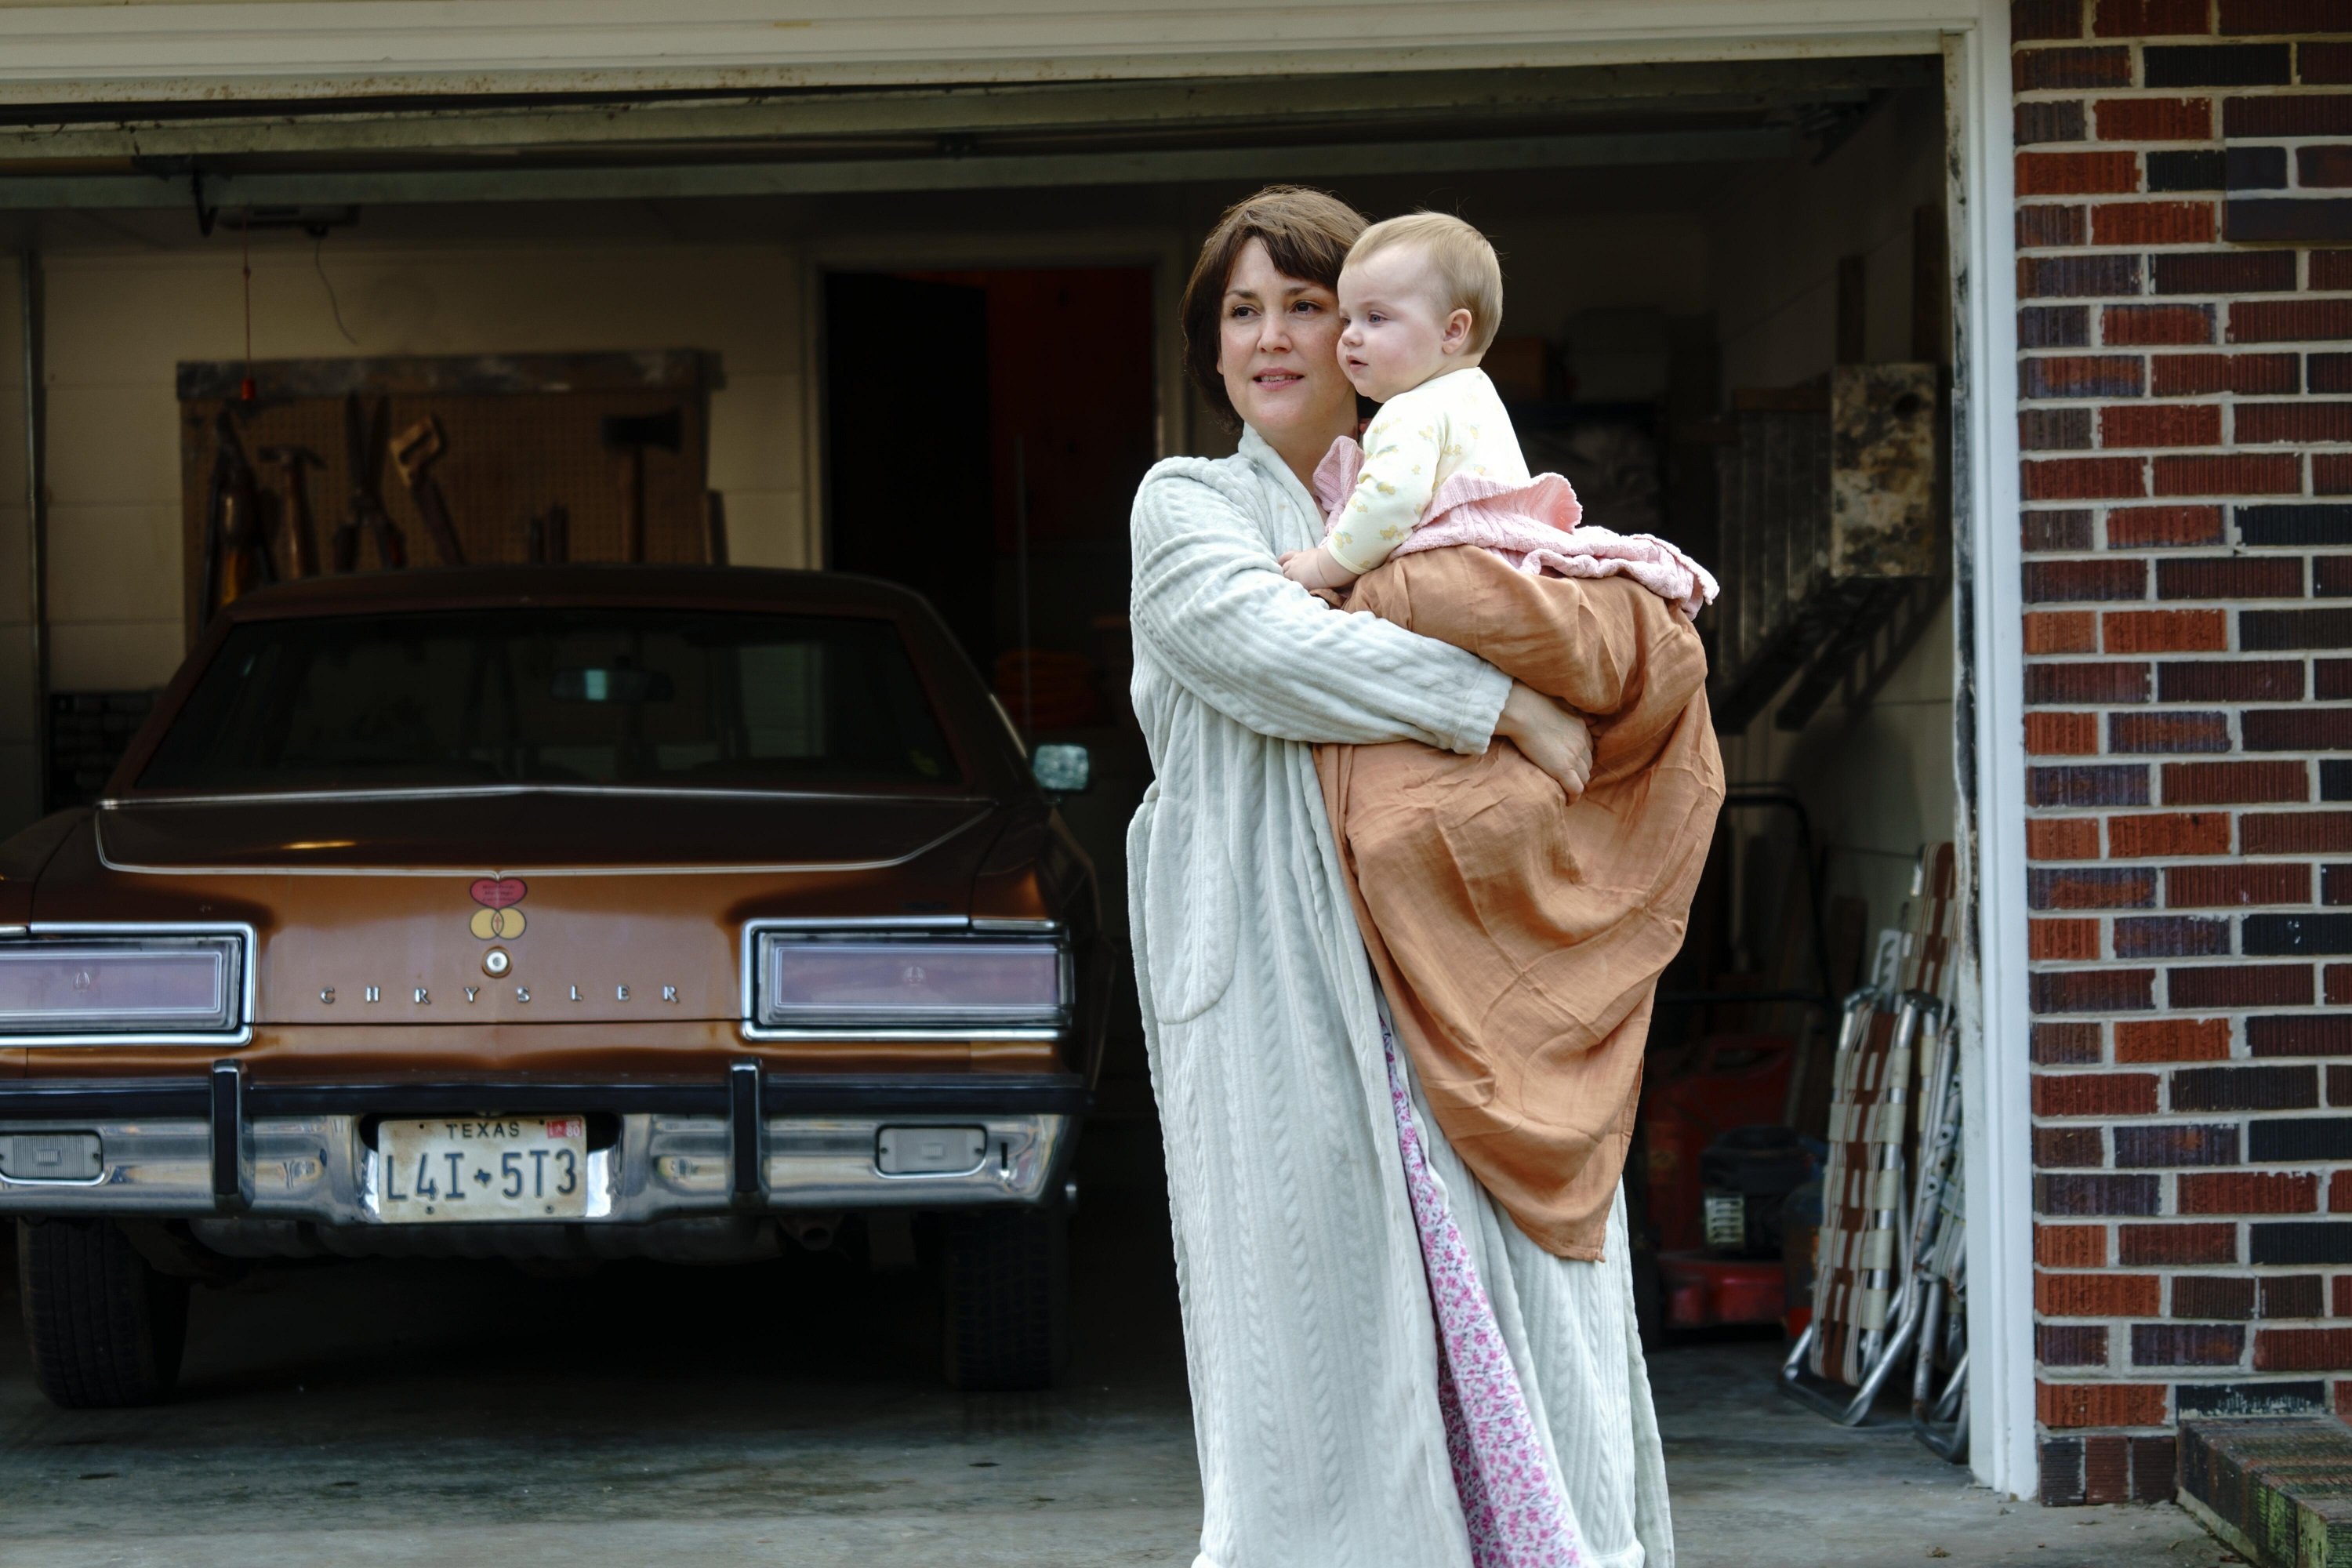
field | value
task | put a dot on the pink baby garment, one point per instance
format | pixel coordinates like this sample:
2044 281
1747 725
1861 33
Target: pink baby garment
1533 526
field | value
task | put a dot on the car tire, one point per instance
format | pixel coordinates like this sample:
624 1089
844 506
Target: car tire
1005 1275
105 1327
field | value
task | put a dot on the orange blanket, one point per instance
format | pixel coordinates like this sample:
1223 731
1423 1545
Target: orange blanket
1519 938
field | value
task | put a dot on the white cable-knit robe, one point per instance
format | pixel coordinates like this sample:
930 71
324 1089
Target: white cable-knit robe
1307 1330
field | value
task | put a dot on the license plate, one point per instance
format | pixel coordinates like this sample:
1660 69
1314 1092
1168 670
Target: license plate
483 1168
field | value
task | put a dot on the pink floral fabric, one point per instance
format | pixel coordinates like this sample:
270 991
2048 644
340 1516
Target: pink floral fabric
1517 1512
1533 526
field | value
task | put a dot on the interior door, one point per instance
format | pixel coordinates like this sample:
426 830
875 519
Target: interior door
909 485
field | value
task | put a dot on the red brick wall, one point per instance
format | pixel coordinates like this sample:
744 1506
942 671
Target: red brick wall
2184 231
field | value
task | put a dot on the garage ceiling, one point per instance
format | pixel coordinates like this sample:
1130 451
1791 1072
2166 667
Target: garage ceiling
823 141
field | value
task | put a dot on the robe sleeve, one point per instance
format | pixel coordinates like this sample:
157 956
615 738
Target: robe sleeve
1211 604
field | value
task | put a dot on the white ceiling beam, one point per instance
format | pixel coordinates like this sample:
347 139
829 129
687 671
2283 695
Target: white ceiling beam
840 176
324 48
74 133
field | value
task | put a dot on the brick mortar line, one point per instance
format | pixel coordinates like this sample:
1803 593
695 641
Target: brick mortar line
2180 41
2216 143
2090 248
2249 346
2103 348
2277 448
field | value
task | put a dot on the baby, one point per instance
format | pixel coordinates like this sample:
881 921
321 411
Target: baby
1421 297
1517 936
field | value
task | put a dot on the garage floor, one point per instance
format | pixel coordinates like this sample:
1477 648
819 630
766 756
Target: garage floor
406 1413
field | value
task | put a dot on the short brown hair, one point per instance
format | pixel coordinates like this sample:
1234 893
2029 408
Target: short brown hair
1469 275
1306 233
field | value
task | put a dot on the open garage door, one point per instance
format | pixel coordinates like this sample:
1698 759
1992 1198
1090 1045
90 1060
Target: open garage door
1705 261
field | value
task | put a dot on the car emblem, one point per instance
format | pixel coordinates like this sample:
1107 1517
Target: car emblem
499 916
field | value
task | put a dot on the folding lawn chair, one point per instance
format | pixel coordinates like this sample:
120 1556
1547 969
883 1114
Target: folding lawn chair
1877 1229
1939 1417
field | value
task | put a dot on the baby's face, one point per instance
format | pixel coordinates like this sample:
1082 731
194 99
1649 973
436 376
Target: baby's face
1398 332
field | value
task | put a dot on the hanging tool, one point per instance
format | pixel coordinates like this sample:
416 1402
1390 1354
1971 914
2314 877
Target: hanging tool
632 436
364 447
236 542
413 452
301 532
548 540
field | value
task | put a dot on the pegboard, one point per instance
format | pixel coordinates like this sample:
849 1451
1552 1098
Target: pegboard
519 434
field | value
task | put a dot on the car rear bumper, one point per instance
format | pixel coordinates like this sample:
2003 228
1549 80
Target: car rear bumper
758 1141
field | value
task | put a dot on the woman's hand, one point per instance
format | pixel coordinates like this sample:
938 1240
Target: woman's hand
1550 734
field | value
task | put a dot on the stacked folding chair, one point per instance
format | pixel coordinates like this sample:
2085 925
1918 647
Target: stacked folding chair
1939 1413
1861 1199
1888 1282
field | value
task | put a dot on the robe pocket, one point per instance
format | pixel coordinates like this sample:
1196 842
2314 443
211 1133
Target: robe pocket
1190 911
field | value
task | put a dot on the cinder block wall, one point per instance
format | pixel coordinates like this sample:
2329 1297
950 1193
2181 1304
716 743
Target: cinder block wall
2184 226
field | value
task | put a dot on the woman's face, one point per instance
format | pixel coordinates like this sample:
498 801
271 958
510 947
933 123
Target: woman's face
1277 348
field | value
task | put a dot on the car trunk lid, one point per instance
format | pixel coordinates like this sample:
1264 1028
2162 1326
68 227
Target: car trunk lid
542 906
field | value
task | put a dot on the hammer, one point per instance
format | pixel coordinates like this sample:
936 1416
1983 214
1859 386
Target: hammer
631 435
302 536
413 451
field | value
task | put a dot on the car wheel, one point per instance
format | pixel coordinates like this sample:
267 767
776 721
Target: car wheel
105 1326
1006 1278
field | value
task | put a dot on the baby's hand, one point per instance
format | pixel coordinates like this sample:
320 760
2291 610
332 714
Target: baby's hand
1314 569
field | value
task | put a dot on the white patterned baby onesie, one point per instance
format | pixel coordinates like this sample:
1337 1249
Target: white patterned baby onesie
1451 424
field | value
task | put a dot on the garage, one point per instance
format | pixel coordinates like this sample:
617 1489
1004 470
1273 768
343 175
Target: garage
926 334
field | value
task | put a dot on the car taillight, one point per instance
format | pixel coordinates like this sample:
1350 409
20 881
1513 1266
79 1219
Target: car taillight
925 981
133 985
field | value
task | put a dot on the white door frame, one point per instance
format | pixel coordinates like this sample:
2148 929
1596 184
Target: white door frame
1989 723
322 48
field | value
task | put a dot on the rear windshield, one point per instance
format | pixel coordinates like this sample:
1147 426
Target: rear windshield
555 696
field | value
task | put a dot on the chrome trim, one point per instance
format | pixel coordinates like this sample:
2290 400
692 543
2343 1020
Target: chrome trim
1044 1032
247 961
863 922
97 1181
748 999
50 1102
97 841
319 1169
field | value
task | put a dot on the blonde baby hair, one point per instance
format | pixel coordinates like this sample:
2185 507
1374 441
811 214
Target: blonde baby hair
1469 276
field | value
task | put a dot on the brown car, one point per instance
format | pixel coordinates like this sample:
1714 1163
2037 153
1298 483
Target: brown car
548 913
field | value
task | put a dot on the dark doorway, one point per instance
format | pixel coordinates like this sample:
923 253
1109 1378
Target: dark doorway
988 429
907 459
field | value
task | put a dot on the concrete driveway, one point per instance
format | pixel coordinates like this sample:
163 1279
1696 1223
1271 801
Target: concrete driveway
467 1416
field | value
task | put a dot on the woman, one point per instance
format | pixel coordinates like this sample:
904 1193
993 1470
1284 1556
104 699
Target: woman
1307 1324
